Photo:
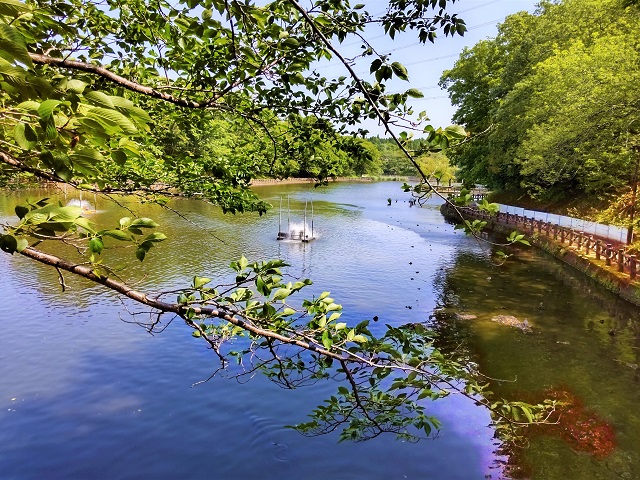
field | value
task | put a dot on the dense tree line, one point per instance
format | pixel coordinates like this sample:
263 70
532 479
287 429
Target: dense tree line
552 102
393 162
234 151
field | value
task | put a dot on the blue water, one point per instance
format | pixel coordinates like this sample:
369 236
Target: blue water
84 393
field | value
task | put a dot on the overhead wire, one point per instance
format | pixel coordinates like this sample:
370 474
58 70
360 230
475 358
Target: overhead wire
414 44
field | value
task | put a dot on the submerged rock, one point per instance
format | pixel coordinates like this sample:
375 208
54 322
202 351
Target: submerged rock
466 316
512 321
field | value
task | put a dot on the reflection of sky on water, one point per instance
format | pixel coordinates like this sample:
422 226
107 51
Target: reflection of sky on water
98 397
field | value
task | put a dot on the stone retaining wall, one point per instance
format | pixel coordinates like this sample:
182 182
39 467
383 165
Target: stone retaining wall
608 276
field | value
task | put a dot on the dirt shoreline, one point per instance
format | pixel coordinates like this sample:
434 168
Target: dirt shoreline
259 182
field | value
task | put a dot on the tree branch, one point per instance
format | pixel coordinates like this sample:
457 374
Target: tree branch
115 78
122 288
9 159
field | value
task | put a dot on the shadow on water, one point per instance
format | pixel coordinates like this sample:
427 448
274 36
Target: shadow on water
583 350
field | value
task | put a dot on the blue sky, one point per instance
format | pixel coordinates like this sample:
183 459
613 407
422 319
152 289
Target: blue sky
427 62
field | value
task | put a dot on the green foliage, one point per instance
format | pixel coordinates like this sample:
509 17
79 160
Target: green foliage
428 152
552 100
160 96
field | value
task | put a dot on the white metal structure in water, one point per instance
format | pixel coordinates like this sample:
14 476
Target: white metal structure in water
301 233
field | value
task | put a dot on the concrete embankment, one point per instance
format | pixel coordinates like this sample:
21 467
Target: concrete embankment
608 265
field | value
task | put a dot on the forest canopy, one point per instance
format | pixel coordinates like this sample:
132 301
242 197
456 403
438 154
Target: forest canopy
552 101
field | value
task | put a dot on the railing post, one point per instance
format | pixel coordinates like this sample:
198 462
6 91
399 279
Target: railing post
580 240
598 248
555 232
621 259
632 266
561 235
539 226
588 244
607 255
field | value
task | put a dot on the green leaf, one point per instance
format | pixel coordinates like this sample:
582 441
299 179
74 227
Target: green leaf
414 93
400 71
281 294
100 99
51 132
140 253
119 157
8 243
64 214
456 131
200 281
112 118
86 160
12 8
155 237
117 234
144 223
84 223
76 86
25 136
96 245
242 263
326 340
21 211
29 105
45 110
262 287
12 74
21 244
12 42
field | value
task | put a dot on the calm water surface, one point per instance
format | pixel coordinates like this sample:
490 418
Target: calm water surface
86 394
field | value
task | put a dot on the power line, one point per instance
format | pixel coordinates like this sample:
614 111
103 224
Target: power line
479 6
433 59
490 22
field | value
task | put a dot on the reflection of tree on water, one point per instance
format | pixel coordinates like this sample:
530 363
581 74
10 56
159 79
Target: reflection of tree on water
583 352
385 381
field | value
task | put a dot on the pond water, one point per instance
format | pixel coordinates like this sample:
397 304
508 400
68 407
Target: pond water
84 393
